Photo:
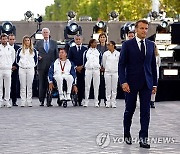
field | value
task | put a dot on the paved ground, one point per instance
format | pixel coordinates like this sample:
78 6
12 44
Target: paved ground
79 130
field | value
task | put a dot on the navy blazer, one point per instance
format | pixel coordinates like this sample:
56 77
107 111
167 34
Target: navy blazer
131 64
75 56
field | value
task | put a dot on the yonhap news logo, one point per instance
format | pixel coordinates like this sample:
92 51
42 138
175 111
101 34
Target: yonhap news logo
104 139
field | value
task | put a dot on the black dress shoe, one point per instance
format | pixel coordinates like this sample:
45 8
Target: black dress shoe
128 139
14 104
49 105
42 104
152 104
144 145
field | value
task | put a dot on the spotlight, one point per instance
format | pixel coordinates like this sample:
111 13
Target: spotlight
99 28
154 14
39 19
71 15
8 28
72 28
28 15
163 27
114 16
125 29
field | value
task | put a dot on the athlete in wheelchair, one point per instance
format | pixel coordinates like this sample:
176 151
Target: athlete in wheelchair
63 71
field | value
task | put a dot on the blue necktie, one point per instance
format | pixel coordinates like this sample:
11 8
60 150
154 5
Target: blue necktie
46 46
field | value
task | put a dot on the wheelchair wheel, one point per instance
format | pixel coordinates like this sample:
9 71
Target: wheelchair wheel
65 104
59 102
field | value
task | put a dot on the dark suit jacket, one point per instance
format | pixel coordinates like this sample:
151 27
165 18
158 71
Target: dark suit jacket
47 58
16 47
131 64
75 56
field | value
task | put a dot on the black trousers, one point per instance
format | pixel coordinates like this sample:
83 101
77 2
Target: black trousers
43 84
80 85
14 86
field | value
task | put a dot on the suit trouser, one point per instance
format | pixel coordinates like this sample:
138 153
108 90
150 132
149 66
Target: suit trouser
43 84
69 80
145 96
111 80
80 85
5 75
14 79
26 77
89 75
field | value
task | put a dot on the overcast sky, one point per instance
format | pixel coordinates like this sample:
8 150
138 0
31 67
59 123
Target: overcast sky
13 10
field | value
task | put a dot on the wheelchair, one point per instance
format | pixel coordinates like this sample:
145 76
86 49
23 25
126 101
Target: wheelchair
55 94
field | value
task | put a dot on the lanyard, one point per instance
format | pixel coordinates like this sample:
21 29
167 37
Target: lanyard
62 66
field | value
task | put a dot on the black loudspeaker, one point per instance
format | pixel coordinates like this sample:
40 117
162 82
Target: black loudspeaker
175 33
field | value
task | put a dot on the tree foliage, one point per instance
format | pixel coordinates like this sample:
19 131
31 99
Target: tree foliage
99 9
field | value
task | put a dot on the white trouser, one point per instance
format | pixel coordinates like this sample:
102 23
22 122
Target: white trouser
111 81
26 77
89 74
69 80
5 75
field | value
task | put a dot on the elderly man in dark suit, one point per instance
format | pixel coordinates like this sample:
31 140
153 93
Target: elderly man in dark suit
75 55
14 75
48 53
137 73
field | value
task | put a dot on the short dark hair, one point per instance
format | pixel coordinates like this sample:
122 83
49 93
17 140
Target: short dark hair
113 43
4 35
131 32
91 42
143 21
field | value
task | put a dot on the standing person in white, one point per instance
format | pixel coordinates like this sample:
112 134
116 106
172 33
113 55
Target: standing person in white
7 58
158 63
27 58
110 63
92 63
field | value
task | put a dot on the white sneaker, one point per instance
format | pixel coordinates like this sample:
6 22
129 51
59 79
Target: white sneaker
107 104
85 103
96 104
1 104
30 104
68 97
8 105
113 105
61 97
22 104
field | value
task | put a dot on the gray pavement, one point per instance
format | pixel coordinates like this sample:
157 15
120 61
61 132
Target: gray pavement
79 130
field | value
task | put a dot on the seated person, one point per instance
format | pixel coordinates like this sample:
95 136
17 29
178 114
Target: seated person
62 69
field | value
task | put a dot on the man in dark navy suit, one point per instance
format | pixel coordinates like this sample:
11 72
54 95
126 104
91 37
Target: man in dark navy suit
137 73
14 76
75 55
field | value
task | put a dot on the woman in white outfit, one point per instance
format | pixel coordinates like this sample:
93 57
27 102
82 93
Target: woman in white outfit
92 60
7 58
26 59
158 63
110 63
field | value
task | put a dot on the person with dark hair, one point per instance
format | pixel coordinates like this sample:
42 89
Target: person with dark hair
137 74
62 69
14 75
92 63
75 55
48 53
7 58
131 35
27 59
102 47
110 63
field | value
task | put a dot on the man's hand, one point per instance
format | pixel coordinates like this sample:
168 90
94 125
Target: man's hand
79 68
102 69
51 86
75 89
154 90
14 68
39 57
125 87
